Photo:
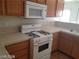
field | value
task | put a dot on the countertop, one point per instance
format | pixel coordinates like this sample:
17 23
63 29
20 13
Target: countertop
53 29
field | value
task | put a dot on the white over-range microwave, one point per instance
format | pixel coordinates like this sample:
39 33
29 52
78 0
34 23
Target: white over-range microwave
35 10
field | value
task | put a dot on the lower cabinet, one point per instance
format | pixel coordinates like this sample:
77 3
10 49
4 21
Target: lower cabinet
19 50
55 41
75 48
69 44
65 43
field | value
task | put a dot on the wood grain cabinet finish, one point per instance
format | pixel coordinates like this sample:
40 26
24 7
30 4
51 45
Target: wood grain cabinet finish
51 8
33 1
20 50
75 48
14 7
38 1
65 43
55 41
41 1
60 7
55 8
2 7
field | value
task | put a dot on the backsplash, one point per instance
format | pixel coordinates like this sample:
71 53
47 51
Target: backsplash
69 26
15 22
7 21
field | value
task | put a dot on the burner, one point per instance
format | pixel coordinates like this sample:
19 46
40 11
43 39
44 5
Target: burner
43 32
32 34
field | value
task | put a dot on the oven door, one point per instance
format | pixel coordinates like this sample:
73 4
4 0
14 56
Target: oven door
44 48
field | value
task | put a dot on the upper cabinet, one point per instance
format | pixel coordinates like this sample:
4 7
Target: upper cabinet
33 0
51 10
60 7
41 1
1 7
55 8
14 7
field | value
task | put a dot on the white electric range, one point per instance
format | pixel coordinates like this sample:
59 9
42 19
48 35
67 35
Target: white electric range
40 44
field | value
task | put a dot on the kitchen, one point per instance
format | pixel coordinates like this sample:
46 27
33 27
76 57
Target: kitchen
16 44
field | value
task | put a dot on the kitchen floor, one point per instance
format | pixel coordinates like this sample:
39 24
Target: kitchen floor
58 55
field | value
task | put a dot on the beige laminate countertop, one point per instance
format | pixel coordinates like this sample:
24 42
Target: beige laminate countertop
53 29
10 39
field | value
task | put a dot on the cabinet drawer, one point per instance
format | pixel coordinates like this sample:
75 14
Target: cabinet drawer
20 53
18 46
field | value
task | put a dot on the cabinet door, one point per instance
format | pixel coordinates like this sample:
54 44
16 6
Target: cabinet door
55 41
1 7
65 43
51 10
75 49
19 50
60 7
41 1
14 7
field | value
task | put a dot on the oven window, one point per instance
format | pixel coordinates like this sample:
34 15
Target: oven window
43 47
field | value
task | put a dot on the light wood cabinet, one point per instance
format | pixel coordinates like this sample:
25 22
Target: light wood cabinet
55 41
2 7
20 50
65 43
51 8
33 0
14 7
38 1
75 48
60 7
41 1
55 8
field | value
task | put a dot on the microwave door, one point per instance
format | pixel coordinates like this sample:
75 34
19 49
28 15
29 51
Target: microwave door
34 12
